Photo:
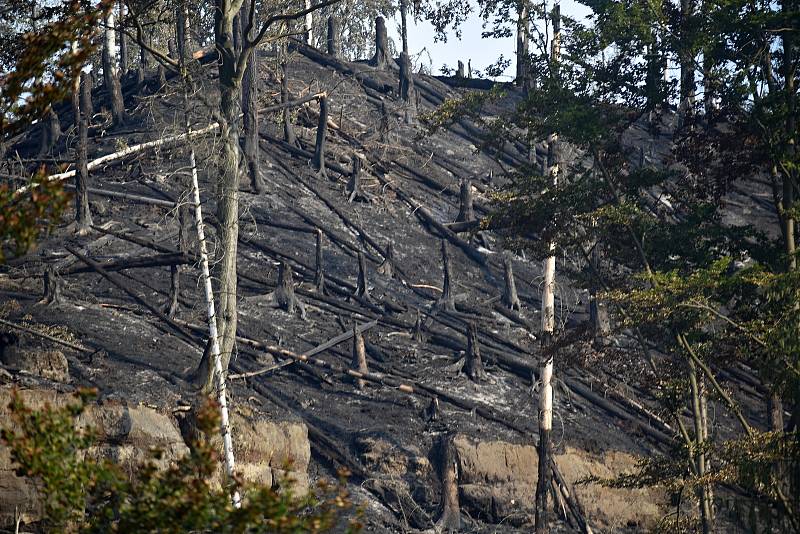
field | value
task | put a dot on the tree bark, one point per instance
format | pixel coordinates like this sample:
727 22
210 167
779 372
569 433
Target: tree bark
250 111
381 59
354 183
446 301
362 285
523 38
699 455
319 147
474 365
175 270
407 88
110 74
404 25
545 445
52 287
460 70
510 298
123 42
319 272
387 267
288 128
359 362
686 61
83 217
450 518
334 48
50 132
87 106
309 25
466 212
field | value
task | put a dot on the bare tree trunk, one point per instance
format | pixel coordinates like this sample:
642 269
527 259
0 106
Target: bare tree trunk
474 365
460 70
450 518
50 132
510 298
309 25
83 217
175 270
110 74
466 212
250 111
123 42
404 25
322 129
523 38
319 274
699 455
52 287
387 267
354 184
87 106
446 301
334 48
686 60
381 59
288 129
407 88
359 362
362 285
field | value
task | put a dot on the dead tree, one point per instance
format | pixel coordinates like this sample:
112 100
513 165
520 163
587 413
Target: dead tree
450 517
141 71
460 70
362 286
510 298
334 49
123 41
474 365
52 286
387 267
87 106
432 411
288 128
469 69
161 78
466 212
83 217
446 301
359 362
598 312
50 132
110 73
381 59
319 147
354 183
319 273
407 88
250 111
175 270
283 297
383 126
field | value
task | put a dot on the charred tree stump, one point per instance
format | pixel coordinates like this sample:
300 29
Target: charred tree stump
250 113
87 106
288 128
319 273
110 72
460 70
354 184
418 335
466 212
474 365
83 217
52 287
446 301
510 298
407 88
359 362
450 518
387 267
333 38
319 147
432 411
362 286
381 59
50 132
283 297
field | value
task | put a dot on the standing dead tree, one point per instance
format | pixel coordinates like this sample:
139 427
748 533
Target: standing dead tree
387 267
474 365
333 45
110 72
510 298
359 362
466 211
322 129
288 128
446 301
319 273
83 217
175 270
407 88
250 112
87 106
50 132
381 59
284 297
450 517
362 286
354 183
52 286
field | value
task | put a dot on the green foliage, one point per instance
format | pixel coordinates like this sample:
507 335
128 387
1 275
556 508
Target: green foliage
95 496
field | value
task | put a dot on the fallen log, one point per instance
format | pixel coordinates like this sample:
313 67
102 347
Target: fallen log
42 335
126 196
157 260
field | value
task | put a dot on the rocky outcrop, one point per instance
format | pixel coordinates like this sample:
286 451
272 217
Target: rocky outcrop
497 481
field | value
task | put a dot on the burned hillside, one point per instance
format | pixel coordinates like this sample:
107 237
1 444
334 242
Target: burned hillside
373 309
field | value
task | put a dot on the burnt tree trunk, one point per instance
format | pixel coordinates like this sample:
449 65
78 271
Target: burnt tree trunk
460 70
510 298
123 41
381 59
359 362
474 365
83 217
52 286
354 183
334 48
319 147
87 106
110 73
404 25
598 312
387 267
418 334
319 272
141 71
250 111
466 212
175 270
407 88
383 127
288 128
50 132
450 518
284 297
362 285
446 301
523 38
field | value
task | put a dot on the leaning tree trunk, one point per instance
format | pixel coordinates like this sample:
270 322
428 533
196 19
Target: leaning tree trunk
83 216
250 110
110 74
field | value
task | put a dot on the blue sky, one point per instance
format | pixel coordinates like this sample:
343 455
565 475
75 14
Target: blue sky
482 52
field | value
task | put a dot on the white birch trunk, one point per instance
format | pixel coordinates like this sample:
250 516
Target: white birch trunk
225 428
111 41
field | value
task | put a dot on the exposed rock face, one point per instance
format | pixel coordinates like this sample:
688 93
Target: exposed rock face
497 480
265 450
50 364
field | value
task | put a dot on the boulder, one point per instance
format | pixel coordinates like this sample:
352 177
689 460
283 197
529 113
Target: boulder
50 364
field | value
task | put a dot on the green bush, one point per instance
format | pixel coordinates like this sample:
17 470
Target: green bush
80 494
